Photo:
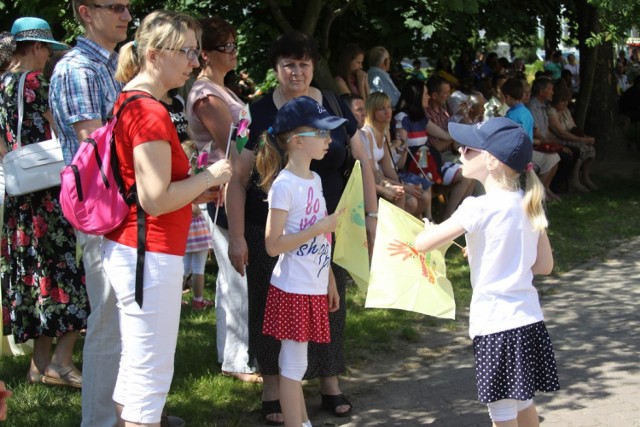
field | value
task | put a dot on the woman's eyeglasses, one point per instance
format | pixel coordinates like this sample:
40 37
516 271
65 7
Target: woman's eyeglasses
227 47
319 133
464 148
191 53
114 7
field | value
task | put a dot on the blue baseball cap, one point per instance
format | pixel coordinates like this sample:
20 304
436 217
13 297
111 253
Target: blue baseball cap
304 111
501 137
35 29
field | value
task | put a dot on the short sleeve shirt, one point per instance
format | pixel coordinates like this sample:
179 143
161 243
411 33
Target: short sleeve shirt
143 121
540 119
501 249
521 115
304 270
83 87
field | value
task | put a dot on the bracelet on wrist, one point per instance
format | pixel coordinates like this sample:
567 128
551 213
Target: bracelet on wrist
371 214
206 177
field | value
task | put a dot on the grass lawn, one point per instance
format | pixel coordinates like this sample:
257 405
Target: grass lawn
583 227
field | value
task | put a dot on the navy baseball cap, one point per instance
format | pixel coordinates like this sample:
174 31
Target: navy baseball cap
304 111
501 137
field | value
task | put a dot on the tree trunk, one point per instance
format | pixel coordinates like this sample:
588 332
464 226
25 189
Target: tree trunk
588 17
599 118
603 117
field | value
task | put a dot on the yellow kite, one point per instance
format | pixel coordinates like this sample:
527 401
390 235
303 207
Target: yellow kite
351 251
402 277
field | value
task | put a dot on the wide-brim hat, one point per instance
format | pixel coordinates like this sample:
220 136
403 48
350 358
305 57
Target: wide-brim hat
35 29
503 138
304 111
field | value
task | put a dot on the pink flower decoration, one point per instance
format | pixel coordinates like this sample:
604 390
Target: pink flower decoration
243 128
203 159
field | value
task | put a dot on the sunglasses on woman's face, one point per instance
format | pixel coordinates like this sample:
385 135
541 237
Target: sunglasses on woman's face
227 47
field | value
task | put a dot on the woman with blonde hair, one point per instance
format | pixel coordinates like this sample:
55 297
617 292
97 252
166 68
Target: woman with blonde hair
513 351
388 184
162 56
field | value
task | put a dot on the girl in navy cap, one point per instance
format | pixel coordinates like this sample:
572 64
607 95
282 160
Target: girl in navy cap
303 288
507 244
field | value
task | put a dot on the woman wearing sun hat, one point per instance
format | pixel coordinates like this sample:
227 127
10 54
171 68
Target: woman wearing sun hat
43 289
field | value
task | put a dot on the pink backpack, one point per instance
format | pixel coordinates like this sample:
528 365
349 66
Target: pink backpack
93 197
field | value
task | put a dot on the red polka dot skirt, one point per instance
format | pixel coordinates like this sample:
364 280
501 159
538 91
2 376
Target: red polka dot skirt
296 317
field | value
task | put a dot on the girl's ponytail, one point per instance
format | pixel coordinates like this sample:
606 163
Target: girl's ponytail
269 160
533 201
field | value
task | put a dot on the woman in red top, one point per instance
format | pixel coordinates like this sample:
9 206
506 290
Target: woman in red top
163 55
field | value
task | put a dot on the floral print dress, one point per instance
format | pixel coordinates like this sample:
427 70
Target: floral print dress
43 288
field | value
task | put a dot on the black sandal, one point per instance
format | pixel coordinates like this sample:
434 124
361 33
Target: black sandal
270 407
330 402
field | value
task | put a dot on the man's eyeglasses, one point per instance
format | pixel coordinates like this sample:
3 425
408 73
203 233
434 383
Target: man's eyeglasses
115 7
227 47
465 148
191 53
319 133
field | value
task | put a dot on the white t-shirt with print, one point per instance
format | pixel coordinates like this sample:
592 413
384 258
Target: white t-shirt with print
501 248
304 270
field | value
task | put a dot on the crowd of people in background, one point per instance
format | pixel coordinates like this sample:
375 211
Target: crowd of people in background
396 126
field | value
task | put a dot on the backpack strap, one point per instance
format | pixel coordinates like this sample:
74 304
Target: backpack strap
333 102
131 197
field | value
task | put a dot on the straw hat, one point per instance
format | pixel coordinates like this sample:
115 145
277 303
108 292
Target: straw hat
35 29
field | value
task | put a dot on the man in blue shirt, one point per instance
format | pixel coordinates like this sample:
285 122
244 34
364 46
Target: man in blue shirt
547 163
378 74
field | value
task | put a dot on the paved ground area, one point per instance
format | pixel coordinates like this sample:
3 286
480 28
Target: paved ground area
593 316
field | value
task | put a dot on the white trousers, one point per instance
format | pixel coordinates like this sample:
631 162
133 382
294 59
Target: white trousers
149 334
101 351
232 309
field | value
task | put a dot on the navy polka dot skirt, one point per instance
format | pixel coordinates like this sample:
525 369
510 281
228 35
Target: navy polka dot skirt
296 317
514 364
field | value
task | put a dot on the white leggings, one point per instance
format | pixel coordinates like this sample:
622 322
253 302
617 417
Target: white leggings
293 359
507 409
194 262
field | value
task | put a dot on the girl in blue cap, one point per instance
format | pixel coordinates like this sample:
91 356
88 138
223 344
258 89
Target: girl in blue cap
298 231
507 244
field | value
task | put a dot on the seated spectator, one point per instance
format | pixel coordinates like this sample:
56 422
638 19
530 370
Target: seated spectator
630 101
518 68
541 94
414 126
376 129
573 66
491 66
417 70
350 77
399 151
495 106
506 66
378 74
444 70
463 70
622 83
246 85
466 108
563 126
554 65
515 93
